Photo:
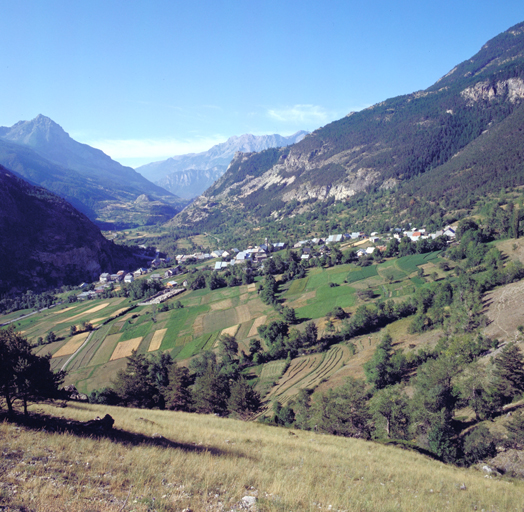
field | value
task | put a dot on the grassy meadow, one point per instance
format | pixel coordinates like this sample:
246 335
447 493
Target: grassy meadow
166 461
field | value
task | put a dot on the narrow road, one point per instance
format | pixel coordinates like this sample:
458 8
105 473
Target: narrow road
28 314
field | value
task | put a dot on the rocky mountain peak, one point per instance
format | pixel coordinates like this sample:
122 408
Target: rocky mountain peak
39 131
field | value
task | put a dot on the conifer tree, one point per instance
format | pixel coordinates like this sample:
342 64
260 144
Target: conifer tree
509 372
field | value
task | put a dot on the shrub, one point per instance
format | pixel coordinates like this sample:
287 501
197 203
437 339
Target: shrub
479 445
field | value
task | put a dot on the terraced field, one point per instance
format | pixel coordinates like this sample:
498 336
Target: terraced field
306 373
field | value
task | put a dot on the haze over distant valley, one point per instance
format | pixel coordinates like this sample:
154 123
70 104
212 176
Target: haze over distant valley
190 175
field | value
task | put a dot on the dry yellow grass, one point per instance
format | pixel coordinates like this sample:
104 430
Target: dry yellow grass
256 324
205 463
125 348
63 310
198 325
230 330
302 301
118 311
243 313
223 304
504 310
72 345
106 349
252 287
156 341
89 311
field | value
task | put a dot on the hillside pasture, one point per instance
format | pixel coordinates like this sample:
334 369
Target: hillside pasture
410 264
94 309
203 462
361 274
325 299
195 346
297 286
105 350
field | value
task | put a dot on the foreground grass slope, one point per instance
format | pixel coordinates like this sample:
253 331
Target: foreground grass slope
180 461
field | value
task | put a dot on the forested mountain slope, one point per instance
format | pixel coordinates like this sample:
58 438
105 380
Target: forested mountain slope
390 144
45 242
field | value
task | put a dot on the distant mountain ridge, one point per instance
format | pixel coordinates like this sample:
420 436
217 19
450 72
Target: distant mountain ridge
45 242
390 146
42 152
189 175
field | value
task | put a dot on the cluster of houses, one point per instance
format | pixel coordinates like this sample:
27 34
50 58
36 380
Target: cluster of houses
255 254
106 279
259 253
414 235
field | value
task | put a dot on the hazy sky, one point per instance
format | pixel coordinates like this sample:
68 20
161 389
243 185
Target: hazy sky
147 80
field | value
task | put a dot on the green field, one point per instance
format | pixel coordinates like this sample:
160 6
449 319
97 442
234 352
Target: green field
411 263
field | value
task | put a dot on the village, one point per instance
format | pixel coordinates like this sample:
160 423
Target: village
256 255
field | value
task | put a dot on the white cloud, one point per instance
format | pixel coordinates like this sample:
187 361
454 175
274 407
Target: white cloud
300 114
154 149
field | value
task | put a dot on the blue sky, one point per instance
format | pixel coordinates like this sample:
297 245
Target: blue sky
147 80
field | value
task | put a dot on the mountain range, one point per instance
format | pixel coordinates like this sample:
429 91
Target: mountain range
43 153
190 175
442 147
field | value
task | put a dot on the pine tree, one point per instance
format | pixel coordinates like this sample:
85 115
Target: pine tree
243 400
178 395
390 410
509 373
211 392
385 367
134 385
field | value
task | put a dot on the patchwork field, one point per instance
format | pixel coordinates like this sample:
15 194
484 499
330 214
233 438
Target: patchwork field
205 315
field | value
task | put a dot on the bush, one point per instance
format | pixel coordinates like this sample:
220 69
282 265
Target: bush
479 445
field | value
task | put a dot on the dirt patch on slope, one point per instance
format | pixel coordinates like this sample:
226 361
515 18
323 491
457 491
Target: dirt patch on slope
503 308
